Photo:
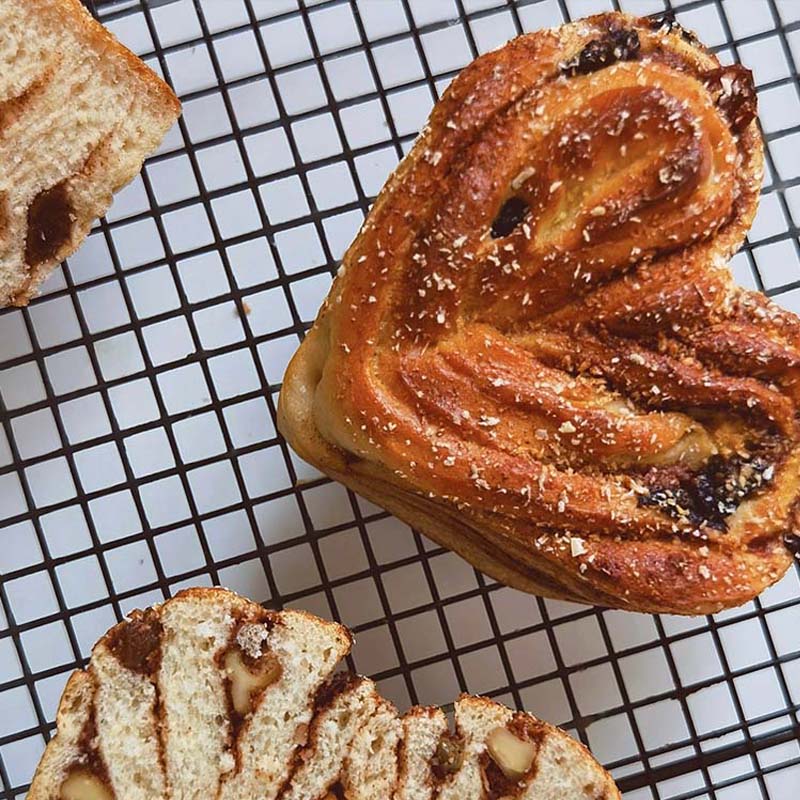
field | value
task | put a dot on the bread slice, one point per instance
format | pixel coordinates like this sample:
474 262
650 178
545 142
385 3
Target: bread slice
371 770
423 731
78 115
343 709
559 767
210 696
207 695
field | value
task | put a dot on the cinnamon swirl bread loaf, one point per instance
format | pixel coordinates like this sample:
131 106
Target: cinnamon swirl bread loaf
78 115
210 696
534 351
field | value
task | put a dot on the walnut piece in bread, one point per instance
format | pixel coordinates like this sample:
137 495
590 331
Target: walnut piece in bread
173 706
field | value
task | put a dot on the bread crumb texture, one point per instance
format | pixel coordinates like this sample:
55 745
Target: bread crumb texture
79 113
155 715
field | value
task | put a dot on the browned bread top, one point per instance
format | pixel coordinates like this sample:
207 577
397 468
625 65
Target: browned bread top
78 115
534 350
211 696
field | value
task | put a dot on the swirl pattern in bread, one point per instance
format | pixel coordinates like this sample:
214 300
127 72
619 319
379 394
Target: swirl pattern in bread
534 351
79 113
211 696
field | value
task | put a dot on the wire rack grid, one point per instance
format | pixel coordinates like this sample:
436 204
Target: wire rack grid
138 448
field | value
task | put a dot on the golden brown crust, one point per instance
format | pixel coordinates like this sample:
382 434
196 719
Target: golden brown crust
534 351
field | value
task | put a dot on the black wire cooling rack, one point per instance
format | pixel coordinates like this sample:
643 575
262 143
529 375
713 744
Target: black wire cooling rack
138 448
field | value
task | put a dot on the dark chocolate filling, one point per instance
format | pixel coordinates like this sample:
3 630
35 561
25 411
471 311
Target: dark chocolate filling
49 224
511 214
332 688
136 643
619 45
792 542
87 746
709 496
735 94
666 19
90 761
497 784
324 698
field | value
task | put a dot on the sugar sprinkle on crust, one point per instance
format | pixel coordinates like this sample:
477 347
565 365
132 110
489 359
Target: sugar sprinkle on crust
535 338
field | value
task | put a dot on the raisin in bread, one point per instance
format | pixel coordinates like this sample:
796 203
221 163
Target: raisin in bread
78 115
212 696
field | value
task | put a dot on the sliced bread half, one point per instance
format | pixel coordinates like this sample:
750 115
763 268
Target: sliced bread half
79 113
211 696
